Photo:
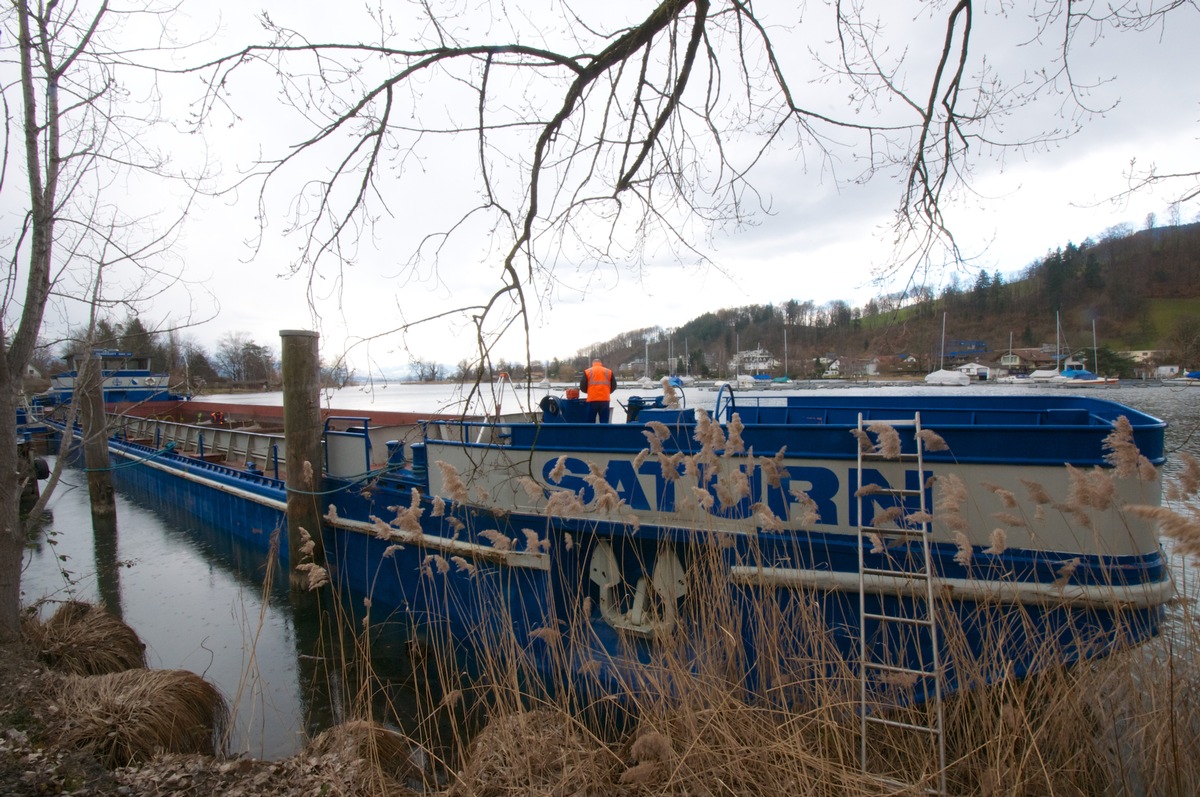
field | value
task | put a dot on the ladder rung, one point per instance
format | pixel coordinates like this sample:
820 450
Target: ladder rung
901 457
901 422
898 670
908 726
899 492
900 785
894 532
895 618
913 575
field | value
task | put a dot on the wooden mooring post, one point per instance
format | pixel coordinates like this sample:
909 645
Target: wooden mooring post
302 437
89 392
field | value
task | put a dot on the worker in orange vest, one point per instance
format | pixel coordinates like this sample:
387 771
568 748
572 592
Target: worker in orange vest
598 383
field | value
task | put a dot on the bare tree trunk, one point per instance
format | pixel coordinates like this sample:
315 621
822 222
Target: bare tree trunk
72 101
12 534
43 171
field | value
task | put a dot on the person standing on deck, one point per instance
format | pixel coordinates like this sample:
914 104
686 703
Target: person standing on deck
598 383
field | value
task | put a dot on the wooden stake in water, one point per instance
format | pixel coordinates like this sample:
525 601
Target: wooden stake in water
89 392
302 439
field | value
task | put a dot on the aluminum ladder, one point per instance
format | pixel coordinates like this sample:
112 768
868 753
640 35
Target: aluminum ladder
899 570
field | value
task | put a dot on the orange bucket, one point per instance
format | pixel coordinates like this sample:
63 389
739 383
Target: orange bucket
572 392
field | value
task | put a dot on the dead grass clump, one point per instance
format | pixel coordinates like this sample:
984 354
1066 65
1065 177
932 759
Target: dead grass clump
363 758
131 716
535 752
730 747
84 639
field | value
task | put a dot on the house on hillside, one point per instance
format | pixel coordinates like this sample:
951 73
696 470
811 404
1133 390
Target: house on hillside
754 361
863 366
632 369
964 350
1148 364
902 363
1027 360
981 371
1142 355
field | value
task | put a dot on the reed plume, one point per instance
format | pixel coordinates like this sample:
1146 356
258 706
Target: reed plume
932 440
888 440
453 483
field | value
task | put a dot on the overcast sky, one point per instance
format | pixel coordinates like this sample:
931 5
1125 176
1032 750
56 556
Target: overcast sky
821 240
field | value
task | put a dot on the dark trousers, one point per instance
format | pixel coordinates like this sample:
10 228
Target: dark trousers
598 412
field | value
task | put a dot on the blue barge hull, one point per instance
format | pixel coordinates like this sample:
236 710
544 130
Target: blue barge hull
601 543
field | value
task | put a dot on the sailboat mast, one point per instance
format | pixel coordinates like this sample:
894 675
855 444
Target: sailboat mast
1095 353
942 359
1057 344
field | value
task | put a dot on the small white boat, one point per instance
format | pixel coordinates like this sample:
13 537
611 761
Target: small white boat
946 378
1045 375
1081 377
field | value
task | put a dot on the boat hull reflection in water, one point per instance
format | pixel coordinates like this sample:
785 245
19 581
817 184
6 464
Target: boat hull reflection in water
206 601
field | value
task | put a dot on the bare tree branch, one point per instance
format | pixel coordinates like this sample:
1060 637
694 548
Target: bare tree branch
592 144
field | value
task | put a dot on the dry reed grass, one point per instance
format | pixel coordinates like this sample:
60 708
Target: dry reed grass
364 758
736 748
132 716
544 751
697 715
1128 724
84 639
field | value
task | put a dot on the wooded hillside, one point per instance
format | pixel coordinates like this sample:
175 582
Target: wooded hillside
1141 290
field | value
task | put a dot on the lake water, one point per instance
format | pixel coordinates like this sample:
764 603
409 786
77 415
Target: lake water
199 602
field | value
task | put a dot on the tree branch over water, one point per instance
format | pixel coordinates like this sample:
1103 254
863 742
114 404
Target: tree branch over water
593 138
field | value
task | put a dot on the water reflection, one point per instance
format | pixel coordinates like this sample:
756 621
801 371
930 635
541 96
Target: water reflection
204 602
108 568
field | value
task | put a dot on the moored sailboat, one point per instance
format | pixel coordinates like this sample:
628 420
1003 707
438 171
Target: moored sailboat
943 377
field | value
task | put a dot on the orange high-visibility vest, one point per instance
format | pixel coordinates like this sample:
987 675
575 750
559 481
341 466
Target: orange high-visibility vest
599 383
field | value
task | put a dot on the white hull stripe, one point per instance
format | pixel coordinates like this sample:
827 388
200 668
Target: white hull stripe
1100 596
207 482
523 559
468 550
